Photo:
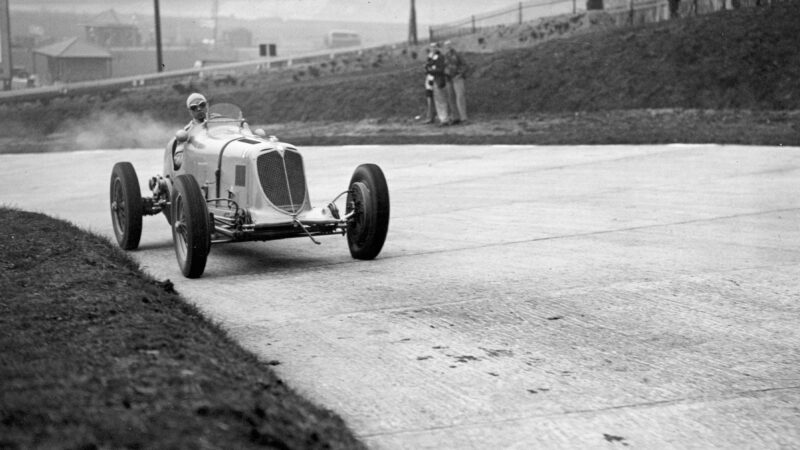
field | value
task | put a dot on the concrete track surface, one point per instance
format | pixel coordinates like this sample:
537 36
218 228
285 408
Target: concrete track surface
527 297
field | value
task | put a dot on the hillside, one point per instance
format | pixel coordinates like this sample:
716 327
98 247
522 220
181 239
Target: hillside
746 59
738 72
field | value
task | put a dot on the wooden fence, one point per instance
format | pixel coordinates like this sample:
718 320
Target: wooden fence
624 12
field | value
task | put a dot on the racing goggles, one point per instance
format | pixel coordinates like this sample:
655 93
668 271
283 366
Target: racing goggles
195 107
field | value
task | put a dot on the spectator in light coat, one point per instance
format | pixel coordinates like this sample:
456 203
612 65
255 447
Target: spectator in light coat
430 112
455 71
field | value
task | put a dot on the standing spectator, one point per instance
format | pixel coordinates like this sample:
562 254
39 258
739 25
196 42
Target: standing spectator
451 94
456 70
430 113
435 67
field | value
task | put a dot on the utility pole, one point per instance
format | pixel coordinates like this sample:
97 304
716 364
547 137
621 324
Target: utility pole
412 25
6 68
159 56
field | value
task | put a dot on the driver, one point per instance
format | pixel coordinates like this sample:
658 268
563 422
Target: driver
198 109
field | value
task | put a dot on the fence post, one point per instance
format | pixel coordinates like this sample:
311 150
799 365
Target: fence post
430 34
630 14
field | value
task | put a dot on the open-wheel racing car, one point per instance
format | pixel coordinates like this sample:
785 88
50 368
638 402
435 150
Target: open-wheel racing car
223 182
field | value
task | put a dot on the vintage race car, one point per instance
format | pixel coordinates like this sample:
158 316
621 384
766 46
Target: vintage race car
223 182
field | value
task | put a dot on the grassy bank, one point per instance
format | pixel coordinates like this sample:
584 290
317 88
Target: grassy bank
94 354
707 77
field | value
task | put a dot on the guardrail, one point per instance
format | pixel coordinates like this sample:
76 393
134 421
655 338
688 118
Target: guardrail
45 93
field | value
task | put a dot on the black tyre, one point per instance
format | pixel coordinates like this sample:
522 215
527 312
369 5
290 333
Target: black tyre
126 205
191 232
368 198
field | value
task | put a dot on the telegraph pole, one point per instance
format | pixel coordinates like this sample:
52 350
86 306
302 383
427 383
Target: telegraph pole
412 25
159 58
6 68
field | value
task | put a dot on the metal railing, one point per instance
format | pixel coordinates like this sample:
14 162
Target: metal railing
114 84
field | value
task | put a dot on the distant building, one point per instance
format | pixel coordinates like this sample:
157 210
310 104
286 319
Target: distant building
342 38
107 30
69 61
238 37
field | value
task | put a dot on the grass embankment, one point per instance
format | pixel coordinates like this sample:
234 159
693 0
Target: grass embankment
94 354
727 77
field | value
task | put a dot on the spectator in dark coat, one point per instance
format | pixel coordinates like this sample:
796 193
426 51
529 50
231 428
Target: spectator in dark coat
430 113
435 67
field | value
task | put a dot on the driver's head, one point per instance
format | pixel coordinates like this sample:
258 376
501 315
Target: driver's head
198 106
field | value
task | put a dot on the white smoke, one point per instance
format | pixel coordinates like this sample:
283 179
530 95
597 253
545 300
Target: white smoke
116 130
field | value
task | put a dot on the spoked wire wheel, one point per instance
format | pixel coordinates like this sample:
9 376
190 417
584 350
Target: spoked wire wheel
191 232
126 206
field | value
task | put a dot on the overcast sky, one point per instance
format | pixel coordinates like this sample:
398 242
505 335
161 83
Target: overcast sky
398 11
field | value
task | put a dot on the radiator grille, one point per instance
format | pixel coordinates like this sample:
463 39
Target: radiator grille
283 179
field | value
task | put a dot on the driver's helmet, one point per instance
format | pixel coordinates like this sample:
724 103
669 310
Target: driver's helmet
195 99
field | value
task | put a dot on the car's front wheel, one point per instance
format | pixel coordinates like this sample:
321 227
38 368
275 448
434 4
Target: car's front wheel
126 205
190 226
368 200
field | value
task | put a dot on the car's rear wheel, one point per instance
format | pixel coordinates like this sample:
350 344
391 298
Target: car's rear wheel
190 226
368 200
126 205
